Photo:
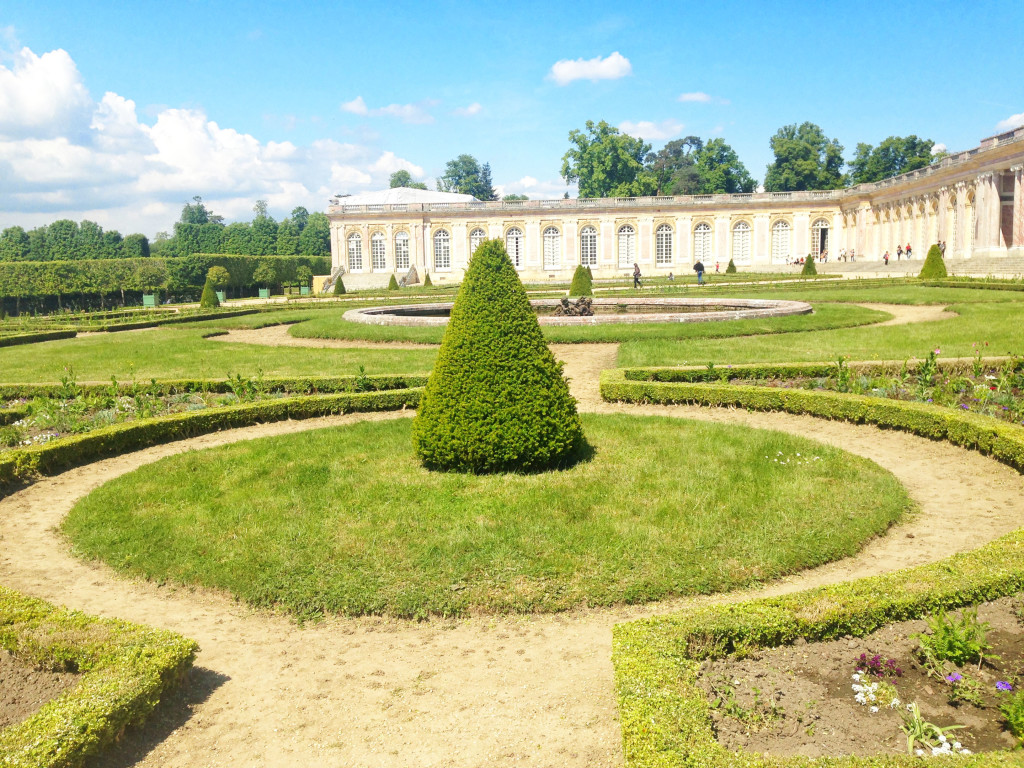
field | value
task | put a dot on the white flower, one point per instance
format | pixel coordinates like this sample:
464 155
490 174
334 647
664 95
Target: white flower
894 703
874 709
956 745
919 752
855 676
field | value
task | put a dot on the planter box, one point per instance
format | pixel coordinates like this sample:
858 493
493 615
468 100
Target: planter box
264 293
220 296
149 299
303 290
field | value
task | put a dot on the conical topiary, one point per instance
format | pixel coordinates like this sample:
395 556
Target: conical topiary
809 268
731 269
590 274
934 267
339 287
581 285
496 400
209 298
393 284
426 281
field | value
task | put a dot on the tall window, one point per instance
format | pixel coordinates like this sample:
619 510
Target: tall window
663 245
781 250
476 237
355 252
741 242
402 250
588 247
514 245
627 246
442 250
377 260
819 237
552 248
702 242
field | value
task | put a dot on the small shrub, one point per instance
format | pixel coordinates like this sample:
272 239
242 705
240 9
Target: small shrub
11 436
426 281
1013 710
218 276
590 274
581 285
339 286
731 269
958 641
393 284
209 298
934 268
809 268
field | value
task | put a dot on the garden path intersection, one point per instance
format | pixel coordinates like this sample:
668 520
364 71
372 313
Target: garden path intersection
487 690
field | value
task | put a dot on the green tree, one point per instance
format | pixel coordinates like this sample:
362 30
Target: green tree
218 277
486 186
719 170
496 400
287 238
113 244
805 158
90 243
674 166
515 197
211 238
195 212
14 244
265 274
238 238
61 240
607 163
264 231
895 155
149 276
315 239
464 175
135 246
37 245
304 275
299 217
402 178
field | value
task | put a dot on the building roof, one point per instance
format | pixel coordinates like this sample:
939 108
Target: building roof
400 195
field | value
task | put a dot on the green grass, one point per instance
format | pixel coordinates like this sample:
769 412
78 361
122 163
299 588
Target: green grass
997 323
345 521
330 325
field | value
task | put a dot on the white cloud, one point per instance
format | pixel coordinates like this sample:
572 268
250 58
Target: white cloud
65 155
612 67
407 113
1013 121
645 129
938 147
697 96
472 109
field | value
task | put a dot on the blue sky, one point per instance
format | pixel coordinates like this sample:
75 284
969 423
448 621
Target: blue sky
121 112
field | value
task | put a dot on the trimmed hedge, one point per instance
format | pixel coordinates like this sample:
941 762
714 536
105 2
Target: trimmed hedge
1003 441
809 268
934 268
35 338
731 269
126 669
208 299
582 283
22 465
393 284
665 717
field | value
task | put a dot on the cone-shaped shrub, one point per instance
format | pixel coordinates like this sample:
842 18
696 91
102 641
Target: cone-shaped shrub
581 285
934 267
339 287
426 281
496 400
731 269
209 298
393 284
809 268
590 274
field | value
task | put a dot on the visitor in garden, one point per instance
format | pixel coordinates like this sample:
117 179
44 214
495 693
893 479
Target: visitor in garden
853 255
899 252
942 248
699 269
636 275
885 258
716 268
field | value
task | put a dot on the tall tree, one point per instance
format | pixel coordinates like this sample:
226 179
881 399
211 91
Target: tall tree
719 170
112 241
315 239
14 244
805 158
195 212
895 155
135 246
61 240
402 178
673 166
607 163
238 238
90 241
299 217
464 175
486 186
264 230
287 238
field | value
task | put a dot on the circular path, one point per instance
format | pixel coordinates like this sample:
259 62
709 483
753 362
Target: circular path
484 691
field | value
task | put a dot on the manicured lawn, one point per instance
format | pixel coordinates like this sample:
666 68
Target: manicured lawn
997 323
345 521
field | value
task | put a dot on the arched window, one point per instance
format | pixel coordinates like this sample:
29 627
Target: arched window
355 252
402 250
819 237
514 245
588 247
476 237
702 242
627 246
377 260
741 242
442 250
663 245
552 248
781 251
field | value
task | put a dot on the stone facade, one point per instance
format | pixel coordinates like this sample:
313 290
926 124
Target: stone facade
973 200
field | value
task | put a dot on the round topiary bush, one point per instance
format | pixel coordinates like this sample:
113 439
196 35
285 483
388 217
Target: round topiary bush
581 285
426 281
496 400
393 284
209 298
731 269
934 267
809 268
339 286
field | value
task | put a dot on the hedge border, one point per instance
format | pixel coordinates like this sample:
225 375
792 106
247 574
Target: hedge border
665 717
23 465
126 669
35 338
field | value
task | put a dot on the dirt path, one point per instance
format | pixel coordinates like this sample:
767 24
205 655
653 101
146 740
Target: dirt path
911 313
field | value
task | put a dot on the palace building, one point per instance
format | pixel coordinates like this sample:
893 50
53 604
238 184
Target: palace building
972 200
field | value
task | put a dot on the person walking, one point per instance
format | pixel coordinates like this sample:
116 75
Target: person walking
885 258
907 251
899 251
942 248
636 275
699 269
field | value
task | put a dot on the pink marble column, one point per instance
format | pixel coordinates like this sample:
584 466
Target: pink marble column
1018 206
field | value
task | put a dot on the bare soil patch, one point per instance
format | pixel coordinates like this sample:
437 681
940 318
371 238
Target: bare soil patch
24 690
902 314
799 700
